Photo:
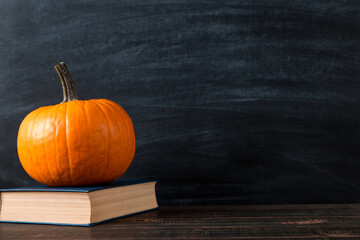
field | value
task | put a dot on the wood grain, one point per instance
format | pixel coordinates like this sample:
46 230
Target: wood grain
217 222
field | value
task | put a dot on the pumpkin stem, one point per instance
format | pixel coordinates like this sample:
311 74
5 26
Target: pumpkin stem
67 83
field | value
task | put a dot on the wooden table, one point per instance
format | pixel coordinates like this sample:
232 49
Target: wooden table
219 222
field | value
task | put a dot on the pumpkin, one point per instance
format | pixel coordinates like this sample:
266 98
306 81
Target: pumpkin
76 143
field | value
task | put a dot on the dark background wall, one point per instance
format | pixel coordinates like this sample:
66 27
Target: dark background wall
232 102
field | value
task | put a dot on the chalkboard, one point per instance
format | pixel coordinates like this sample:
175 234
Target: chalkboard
233 102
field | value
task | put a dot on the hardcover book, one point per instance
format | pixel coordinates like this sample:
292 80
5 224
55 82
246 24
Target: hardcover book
81 206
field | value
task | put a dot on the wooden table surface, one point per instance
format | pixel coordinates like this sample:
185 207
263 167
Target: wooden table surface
340 221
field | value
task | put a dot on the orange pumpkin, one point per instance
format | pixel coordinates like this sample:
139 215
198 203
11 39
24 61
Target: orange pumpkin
76 142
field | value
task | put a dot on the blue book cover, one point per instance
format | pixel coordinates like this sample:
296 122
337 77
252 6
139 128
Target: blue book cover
85 189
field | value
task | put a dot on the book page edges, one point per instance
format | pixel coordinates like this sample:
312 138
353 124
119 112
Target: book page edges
46 209
123 201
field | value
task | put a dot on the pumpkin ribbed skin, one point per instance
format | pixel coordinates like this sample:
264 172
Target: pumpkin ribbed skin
76 143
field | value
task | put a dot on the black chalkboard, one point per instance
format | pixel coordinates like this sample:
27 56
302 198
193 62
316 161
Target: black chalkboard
232 101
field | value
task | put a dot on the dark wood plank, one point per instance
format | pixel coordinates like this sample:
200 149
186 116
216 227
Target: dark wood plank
231 222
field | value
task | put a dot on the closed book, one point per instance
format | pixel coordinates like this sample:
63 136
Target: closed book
81 206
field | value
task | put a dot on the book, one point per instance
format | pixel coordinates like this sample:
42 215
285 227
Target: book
80 206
